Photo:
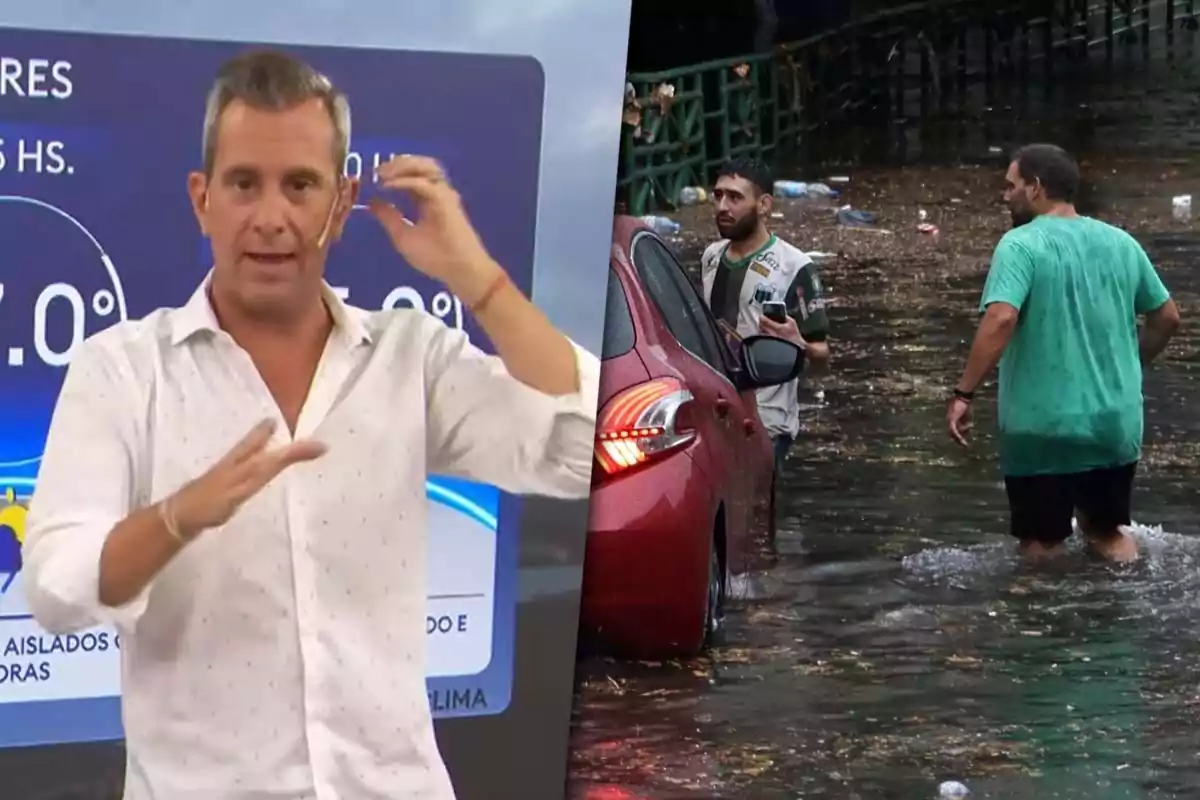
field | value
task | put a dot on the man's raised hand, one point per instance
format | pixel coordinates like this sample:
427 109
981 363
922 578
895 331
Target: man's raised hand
212 499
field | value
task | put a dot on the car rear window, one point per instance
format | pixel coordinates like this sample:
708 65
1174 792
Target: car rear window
619 337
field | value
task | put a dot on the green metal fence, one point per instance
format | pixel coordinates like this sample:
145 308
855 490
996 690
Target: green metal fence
916 62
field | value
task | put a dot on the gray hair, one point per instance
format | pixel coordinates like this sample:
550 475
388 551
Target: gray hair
270 80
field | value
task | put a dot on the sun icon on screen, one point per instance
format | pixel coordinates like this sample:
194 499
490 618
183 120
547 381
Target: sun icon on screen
12 536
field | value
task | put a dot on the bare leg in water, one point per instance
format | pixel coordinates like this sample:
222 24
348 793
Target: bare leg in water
1039 551
1113 544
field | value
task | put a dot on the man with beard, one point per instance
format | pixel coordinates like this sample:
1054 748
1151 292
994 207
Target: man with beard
750 266
1060 312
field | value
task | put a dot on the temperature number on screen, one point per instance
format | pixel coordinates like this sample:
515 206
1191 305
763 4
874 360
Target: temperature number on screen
442 305
58 305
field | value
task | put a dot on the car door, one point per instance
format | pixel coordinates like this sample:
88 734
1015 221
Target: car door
707 376
754 450
743 413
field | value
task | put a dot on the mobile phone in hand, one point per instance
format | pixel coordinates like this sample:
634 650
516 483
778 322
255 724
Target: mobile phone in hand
775 311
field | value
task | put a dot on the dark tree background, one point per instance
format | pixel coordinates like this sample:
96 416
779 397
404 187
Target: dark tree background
674 33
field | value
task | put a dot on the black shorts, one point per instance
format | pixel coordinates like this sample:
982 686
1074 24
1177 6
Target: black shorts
1042 505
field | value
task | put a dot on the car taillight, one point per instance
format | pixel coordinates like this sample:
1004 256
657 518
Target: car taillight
643 422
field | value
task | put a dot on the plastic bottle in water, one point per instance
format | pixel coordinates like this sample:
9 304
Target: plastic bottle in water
1181 207
692 195
661 225
821 190
790 189
952 790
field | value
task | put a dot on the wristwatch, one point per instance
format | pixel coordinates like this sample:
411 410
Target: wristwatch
966 397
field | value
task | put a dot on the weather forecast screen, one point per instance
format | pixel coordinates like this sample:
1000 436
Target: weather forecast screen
96 228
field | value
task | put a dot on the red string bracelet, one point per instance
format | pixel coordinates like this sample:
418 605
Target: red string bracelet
493 289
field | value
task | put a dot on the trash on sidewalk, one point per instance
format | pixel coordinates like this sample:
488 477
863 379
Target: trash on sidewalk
664 96
801 189
631 115
856 218
661 225
634 113
859 221
924 225
790 189
692 195
952 790
838 179
1181 207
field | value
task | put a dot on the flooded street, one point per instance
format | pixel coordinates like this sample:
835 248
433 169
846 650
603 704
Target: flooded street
893 641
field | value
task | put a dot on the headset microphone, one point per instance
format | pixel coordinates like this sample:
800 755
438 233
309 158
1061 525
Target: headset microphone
323 238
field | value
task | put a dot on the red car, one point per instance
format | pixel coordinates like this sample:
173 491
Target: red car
684 481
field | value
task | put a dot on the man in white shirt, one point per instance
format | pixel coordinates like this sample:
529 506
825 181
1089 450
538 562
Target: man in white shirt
269 587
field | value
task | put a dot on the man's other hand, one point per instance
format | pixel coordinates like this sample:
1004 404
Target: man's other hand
958 420
783 330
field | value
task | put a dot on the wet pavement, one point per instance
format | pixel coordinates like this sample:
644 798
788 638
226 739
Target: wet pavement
894 642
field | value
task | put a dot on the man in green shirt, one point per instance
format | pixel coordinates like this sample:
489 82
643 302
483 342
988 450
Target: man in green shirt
1060 311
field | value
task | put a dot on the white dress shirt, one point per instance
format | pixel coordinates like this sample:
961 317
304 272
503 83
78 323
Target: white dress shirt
282 656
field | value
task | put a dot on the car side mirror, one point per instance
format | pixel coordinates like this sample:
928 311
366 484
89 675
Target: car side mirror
770 361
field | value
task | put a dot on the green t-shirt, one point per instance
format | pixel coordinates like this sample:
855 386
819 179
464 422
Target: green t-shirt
1071 378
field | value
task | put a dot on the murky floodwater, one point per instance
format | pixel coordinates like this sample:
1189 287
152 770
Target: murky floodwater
896 642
